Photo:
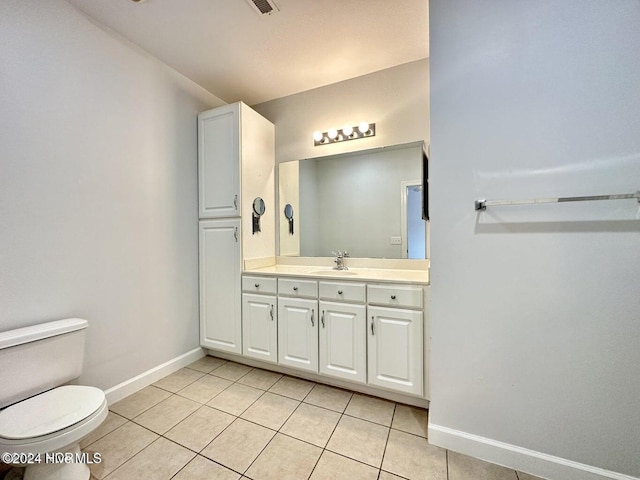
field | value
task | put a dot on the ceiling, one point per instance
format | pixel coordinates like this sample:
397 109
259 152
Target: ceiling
231 50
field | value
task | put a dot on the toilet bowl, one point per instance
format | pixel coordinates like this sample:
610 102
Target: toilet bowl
42 423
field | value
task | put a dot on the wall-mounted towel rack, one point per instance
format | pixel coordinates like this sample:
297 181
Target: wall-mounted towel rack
481 205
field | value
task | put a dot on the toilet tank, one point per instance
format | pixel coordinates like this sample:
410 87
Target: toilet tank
38 358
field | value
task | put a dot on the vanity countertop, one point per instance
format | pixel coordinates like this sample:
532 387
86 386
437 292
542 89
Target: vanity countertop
352 274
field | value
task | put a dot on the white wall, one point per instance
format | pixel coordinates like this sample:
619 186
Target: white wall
97 189
396 100
535 310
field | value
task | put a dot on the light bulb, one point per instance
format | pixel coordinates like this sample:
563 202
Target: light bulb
332 133
347 130
317 136
363 127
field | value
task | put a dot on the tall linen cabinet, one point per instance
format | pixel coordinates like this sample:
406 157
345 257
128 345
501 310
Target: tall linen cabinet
235 166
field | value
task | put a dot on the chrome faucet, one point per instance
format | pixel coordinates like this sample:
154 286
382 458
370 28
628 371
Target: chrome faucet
339 260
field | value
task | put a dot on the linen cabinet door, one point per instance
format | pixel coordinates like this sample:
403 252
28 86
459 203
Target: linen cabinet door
219 162
259 327
220 285
298 333
342 341
395 349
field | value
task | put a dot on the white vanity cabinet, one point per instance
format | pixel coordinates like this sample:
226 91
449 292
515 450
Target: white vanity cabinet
220 267
394 337
259 322
342 335
298 323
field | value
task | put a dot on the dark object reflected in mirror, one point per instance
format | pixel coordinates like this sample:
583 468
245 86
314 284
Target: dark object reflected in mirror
258 211
288 213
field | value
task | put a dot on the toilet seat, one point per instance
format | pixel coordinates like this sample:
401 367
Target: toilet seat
53 419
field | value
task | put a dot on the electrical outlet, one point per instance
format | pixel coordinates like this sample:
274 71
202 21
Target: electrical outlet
396 240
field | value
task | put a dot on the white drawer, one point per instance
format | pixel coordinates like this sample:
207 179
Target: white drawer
395 296
294 287
259 284
348 292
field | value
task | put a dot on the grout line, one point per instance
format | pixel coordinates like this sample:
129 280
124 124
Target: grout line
386 443
446 457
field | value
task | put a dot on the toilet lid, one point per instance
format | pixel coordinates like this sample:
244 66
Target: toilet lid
50 411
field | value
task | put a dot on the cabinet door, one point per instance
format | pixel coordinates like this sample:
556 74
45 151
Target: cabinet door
220 283
259 327
395 349
298 333
219 162
343 341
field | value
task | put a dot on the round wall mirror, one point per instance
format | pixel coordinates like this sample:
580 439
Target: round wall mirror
288 211
258 206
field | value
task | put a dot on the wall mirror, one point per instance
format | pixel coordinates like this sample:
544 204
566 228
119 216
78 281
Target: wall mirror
258 211
369 203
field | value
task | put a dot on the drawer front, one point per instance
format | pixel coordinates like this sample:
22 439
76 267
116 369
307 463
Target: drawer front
259 284
395 296
347 292
294 287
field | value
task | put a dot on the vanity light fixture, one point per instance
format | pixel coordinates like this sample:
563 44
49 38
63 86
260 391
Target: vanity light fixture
362 130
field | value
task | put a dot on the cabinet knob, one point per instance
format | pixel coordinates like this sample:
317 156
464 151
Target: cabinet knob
393 297
257 285
295 289
339 292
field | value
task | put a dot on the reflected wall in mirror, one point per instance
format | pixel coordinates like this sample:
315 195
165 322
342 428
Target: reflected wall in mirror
368 203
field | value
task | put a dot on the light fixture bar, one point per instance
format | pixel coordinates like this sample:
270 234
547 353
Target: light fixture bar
344 134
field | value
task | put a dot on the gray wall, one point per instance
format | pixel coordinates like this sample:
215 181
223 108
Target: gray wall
97 189
535 310
396 99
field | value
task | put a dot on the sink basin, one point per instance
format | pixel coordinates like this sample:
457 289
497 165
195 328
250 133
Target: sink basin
332 272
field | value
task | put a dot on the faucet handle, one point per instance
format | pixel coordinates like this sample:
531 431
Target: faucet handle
345 254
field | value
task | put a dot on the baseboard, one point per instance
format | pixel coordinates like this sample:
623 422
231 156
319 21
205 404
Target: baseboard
138 382
522 459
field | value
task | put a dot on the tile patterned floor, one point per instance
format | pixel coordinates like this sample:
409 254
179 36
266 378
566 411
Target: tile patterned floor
221 420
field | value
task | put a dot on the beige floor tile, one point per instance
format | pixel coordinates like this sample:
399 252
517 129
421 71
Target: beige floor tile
110 423
167 414
238 445
201 468
270 410
292 387
235 399
160 461
311 424
178 380
207 364
261 379
369 408
410 456
411 419
462 467
285 458
527 476
358 439
119 446
388 476
204 389
231 371
336 467
133 405
329 397
198 430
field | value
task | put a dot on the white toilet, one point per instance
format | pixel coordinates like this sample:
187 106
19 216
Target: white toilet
40 415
